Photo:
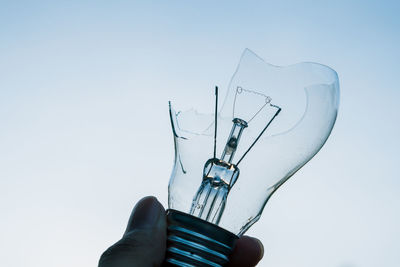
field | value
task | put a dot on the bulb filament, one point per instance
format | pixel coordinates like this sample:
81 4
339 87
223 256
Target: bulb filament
220 175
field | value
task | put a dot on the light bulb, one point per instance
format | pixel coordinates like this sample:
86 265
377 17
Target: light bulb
273 120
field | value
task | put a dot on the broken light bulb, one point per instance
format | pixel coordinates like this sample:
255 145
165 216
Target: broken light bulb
273 120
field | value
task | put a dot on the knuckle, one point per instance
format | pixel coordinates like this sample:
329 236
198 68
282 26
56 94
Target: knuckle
127 248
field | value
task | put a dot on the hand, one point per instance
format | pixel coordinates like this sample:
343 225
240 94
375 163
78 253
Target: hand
144 241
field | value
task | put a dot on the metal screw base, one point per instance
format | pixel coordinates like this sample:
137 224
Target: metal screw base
195 242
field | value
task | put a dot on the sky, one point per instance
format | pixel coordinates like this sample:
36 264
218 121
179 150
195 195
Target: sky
85 133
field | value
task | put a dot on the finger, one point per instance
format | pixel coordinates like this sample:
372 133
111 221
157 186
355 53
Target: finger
247 252
144 240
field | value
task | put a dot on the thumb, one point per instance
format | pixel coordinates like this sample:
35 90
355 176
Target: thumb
144 241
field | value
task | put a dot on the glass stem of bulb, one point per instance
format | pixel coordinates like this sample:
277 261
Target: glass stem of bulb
233 139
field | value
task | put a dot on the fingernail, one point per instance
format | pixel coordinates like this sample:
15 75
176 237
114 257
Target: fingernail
145 214
261 246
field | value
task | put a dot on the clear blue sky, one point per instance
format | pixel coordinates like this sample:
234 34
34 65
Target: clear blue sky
84 87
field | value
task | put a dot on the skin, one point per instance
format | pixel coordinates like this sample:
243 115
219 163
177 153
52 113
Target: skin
144 241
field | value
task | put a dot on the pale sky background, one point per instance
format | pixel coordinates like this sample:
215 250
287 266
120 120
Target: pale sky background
84 127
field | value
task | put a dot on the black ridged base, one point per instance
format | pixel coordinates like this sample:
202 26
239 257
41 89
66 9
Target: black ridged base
195 242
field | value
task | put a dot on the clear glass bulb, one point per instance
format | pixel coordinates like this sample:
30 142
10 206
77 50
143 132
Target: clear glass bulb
273 120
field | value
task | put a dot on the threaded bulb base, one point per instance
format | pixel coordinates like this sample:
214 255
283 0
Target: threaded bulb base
195 242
